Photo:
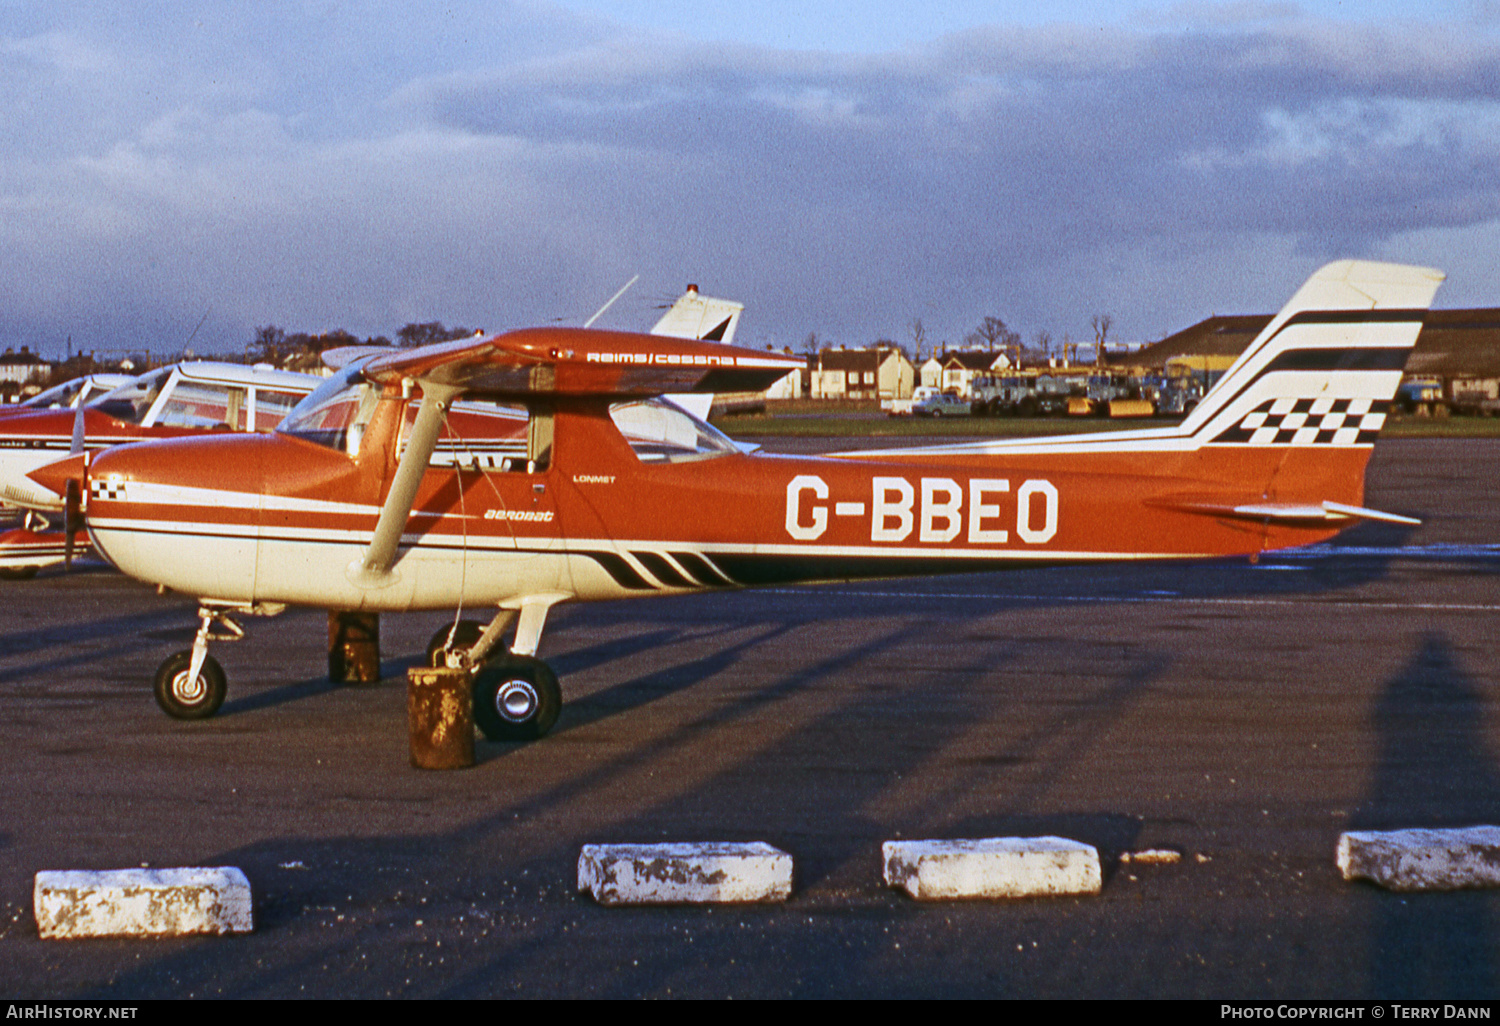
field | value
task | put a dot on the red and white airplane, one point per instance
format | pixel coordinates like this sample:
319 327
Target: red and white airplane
579 484
179 399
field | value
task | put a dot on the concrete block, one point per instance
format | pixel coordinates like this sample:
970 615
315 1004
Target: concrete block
1423 860
995 867
141 902
684 874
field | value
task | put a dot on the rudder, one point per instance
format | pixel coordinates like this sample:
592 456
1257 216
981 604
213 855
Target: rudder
1325 370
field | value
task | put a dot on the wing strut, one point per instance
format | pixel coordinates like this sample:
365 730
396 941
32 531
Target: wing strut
374 568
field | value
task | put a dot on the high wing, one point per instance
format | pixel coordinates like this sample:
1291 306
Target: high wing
577 361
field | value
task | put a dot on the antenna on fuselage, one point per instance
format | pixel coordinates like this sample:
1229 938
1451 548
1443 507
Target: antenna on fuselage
600 313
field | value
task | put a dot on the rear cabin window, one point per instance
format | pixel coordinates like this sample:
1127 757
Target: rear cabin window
659 431
272 406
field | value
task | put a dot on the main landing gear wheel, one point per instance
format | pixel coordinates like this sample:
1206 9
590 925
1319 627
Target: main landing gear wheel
516 698
466 636
185 699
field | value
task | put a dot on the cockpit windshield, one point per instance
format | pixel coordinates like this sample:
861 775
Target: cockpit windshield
659 431
63 395
336 412
132 401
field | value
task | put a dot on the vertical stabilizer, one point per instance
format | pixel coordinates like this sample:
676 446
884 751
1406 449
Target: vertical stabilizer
1325 370
700 317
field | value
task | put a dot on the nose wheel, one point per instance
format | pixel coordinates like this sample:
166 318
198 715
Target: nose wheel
184 695
190 684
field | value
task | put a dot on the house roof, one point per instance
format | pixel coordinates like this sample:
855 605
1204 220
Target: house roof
1452 342
855 359
970 359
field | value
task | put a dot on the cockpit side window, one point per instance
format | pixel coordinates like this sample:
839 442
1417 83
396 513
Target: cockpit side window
203 404
491 436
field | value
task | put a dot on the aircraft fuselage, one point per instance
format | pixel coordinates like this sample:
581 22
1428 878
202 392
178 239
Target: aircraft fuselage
250 519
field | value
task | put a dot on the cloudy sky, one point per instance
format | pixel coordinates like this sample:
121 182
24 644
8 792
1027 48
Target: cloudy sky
842 169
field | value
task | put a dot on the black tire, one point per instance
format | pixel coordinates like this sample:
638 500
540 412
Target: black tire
18 573
183 701
465 636
516 698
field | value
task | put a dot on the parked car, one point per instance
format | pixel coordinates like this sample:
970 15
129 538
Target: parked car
942 404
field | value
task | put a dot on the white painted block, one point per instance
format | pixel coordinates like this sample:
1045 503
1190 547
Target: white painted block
1423 860
141 902
994 867
684 874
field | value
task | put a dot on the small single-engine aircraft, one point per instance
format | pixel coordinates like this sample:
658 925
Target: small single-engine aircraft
179 399
30 542
580 484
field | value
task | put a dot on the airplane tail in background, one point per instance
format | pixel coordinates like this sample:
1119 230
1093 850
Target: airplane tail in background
1325 370
699 317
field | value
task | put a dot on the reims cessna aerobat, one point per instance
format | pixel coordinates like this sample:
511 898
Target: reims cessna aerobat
562 477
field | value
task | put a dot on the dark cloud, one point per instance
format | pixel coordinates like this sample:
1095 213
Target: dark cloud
1022 149
510 163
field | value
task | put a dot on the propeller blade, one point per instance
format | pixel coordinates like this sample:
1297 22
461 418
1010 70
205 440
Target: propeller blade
72 519
78 432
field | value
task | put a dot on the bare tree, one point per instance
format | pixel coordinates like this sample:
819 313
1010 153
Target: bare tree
1041 346
1101 323
425 334
918 336
992 334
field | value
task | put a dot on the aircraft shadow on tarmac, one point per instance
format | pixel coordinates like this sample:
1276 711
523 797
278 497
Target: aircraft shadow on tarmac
1435 769
777 791
65 646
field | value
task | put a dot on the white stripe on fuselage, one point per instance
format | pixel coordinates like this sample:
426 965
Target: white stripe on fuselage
542 545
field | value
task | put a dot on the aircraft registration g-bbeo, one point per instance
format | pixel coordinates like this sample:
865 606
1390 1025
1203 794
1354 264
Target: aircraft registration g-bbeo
581 485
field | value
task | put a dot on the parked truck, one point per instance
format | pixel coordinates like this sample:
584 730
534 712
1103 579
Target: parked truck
1184 382
1020 395
1111 395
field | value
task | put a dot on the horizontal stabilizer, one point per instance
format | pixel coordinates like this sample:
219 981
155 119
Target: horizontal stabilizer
1325 512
